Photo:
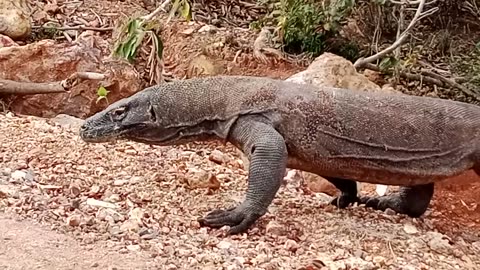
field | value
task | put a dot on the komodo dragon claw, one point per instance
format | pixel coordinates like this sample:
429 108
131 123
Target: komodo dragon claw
238 218
412 201
343 201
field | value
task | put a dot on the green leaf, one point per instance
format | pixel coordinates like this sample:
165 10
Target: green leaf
102 91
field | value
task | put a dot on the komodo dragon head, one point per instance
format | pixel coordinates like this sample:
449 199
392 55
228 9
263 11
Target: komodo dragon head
128 117
166 114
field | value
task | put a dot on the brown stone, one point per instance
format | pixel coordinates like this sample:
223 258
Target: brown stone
15 19
334 71
318 184
47 61
6 41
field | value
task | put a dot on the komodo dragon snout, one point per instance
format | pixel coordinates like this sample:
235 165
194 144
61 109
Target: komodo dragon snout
120 119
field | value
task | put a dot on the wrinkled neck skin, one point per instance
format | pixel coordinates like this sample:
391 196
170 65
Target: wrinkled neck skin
173 135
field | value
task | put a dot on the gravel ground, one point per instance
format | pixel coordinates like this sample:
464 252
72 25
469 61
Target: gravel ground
131 198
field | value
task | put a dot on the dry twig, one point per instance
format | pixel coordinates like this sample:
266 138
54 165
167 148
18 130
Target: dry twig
32 88
361 62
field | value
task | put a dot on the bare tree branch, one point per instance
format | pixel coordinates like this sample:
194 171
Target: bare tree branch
419 14
32 88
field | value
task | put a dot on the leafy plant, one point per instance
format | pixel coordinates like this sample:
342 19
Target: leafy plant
388 63
132 37
306 25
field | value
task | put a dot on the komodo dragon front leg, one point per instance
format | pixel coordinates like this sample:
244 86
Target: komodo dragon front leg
267 153
412 200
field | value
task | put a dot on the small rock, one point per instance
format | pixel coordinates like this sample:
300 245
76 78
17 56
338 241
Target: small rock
94 190
130 152
130 226
73 220
217 157
7 171
119 183
438 243
148 234
136 214
134 247
188 31
381 189
97 203
110 220
410 228
358 253
90 221
74 190
224 245
171 267
275 228
75 203
390 212
95 264
262 247
291 245
207 28
378 260
18 176
135 180
240 260
198 178
114 198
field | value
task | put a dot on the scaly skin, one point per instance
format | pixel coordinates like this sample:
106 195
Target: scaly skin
342 135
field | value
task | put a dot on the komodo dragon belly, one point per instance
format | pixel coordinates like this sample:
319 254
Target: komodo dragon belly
383 139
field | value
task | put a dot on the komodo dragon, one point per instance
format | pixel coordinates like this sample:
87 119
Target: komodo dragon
341 135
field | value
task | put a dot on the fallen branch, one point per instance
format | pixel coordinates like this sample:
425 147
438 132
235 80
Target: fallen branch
32 88
450 83
431 78
419 14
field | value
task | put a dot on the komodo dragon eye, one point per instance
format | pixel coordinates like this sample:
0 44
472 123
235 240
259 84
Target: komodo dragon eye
118 114
153 115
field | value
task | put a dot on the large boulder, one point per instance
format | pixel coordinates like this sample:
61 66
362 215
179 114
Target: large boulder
335 71
48 61
15 19
332 71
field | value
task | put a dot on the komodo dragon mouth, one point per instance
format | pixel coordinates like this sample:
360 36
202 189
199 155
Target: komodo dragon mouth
108 134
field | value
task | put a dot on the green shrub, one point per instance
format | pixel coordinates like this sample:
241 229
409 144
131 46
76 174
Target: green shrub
306 25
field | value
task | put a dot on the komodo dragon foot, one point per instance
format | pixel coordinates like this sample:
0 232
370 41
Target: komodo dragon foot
348 189
412 201
239 218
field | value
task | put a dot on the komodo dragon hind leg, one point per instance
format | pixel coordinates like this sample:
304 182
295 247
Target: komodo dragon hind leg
412 201
348 189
